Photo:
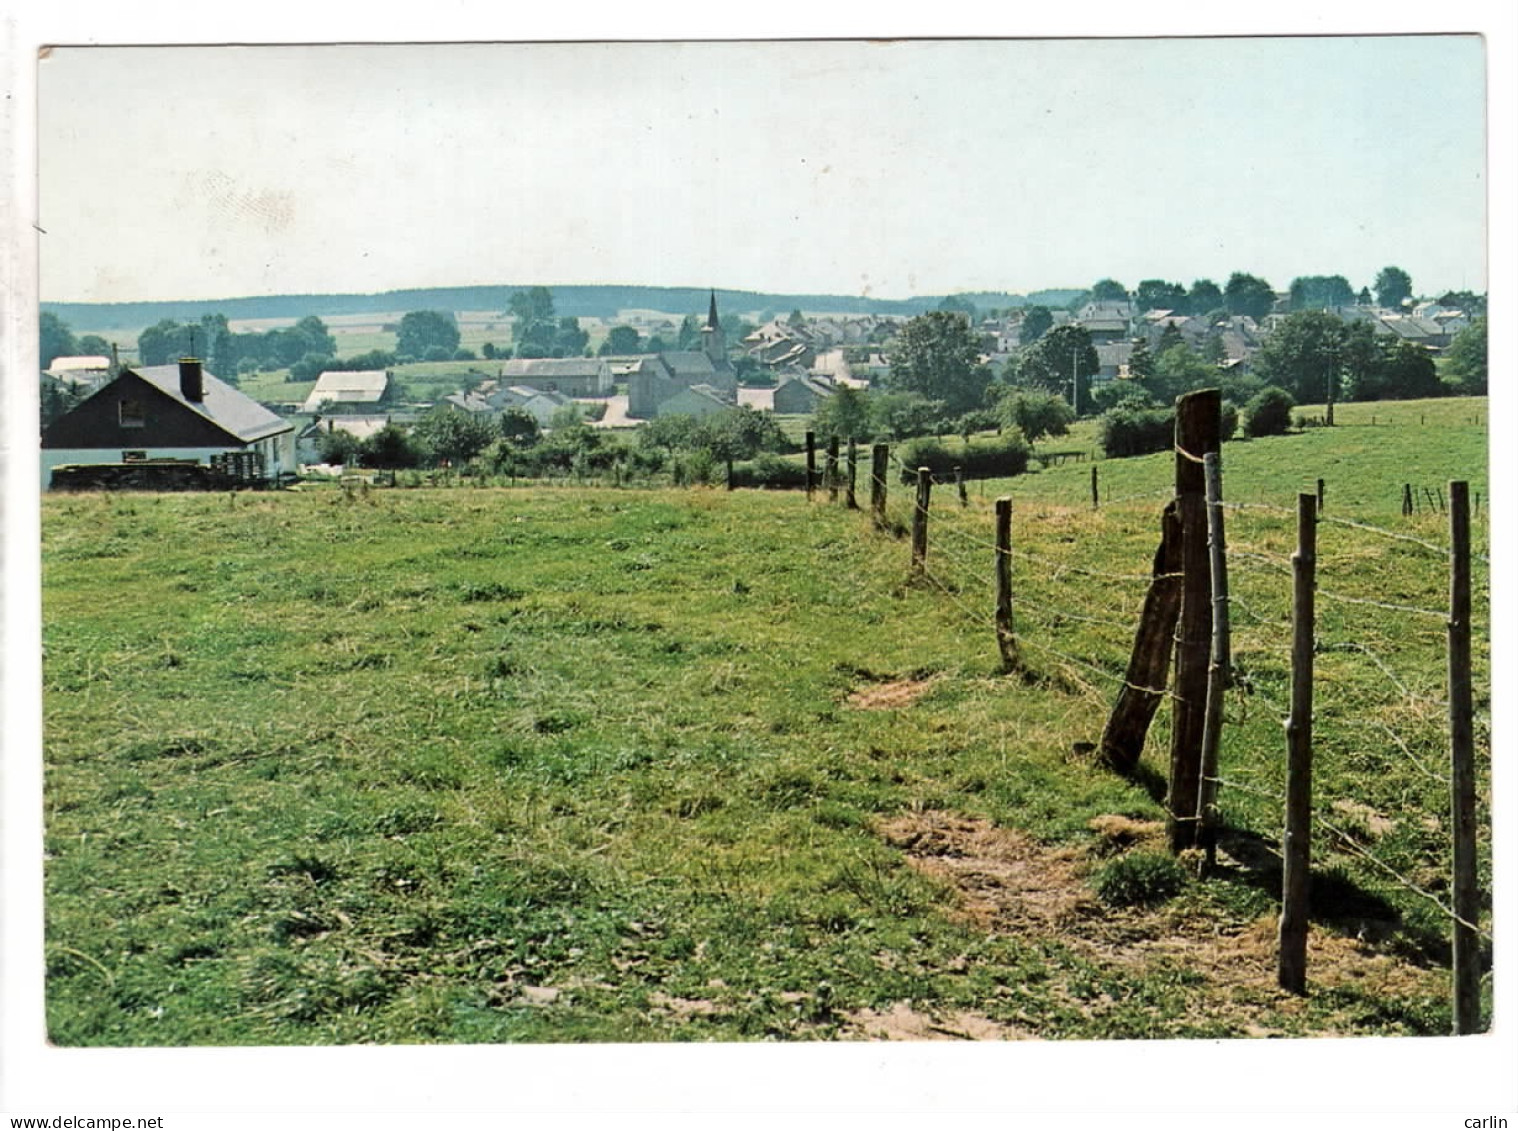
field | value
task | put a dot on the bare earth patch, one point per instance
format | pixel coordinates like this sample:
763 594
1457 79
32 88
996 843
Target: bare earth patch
1007 882
889 696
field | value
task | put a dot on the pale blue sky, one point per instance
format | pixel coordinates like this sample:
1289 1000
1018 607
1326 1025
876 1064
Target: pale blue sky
893 169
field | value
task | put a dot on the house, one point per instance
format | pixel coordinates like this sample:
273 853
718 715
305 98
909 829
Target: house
800 396
81 374
359 390
360 427
540 405
1112 360
572 376
168 412
697 401
657 379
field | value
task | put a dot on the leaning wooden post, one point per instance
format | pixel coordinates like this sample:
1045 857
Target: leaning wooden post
849 499
880 460
959 483
1005 640
1197 423
1149 666
1218 664
920 520
1096 498
1407 500
811 463
1296 848
1463 767
830 476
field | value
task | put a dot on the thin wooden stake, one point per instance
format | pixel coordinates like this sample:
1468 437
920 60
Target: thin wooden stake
1320 496
1218 675
959 484
1096 498
1006 641
1296 849
1463 767
920 520
1407 500
880 461
849 498
811 463
830 475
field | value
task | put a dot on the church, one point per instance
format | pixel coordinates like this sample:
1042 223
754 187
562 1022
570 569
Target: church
696 382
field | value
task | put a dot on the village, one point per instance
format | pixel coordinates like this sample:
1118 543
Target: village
100 410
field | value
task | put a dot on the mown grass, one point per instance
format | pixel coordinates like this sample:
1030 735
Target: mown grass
579 765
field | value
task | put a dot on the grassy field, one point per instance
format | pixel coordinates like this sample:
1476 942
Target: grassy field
483 765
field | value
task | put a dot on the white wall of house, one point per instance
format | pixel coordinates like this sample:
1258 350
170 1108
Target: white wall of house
278 452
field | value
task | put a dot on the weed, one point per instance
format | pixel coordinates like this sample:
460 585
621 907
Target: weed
1139 878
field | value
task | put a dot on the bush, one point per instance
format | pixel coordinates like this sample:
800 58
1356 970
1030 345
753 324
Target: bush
1136 427
1228 421
981 458
770 471
1139 879
1269 412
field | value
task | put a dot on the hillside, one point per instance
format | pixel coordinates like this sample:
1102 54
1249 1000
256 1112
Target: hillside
577 301
576 764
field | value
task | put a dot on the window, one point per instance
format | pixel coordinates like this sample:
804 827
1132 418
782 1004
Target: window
132 415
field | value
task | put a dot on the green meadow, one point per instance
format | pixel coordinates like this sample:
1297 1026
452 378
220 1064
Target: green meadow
569 764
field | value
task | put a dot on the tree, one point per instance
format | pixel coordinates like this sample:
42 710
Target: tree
1178 370
1319 292
337 446
937 356
54 339
958 304
1140 361
898 416
1035 324
532 305
845 414
162 342
1205 297
1465 363
621 340
389 448
569 338
310 367
1036 414
1108 290
422 330
1393 285
1248 295
1063 355
1305 356
1473 305
518 426
1402 372
449 436
1156 294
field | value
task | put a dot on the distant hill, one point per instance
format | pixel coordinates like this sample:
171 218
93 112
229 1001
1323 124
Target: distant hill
569 301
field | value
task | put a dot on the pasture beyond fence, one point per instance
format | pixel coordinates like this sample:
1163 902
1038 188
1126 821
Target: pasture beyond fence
1218 624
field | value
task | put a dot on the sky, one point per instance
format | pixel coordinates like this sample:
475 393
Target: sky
891 169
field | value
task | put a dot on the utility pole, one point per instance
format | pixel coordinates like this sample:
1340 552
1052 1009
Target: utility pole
1075 380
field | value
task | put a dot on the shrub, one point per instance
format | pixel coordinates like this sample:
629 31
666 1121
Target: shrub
770 471
1228 421
981 458
1136 428
1139 879
1269 412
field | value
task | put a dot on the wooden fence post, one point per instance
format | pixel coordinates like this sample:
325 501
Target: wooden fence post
1463 767
1219 662
959 484
1197 424
1096 498
1407 500
849 498
811 463
1296 848
1149 666
1006 641
1320 496
729 474
830 476
920 520
880 461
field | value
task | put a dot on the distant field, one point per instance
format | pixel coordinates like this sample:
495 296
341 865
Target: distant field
573 764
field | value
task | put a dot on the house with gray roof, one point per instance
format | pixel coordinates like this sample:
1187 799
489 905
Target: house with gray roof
572 376
340 390
168 412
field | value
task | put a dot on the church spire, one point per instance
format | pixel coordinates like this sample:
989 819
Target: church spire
713 340
711 317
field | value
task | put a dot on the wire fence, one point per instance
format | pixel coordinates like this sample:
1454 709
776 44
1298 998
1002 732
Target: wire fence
1381 705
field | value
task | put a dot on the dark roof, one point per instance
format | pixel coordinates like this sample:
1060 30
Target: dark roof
687 363
224 406
553 367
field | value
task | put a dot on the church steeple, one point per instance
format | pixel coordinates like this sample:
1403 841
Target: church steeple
713 340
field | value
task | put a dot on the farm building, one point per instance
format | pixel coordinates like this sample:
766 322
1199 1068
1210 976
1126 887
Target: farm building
539 404
359 426
356 391
167 412
572 376
80 372
697 401
800 396
658 379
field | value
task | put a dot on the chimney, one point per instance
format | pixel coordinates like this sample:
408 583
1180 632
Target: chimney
190 383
